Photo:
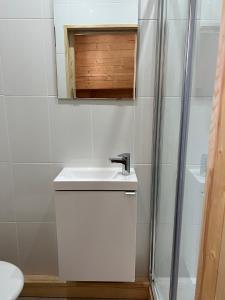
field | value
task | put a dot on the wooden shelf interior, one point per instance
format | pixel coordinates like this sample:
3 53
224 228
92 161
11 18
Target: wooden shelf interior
105 63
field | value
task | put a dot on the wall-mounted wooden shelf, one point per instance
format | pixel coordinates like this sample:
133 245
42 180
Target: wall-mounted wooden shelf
101 61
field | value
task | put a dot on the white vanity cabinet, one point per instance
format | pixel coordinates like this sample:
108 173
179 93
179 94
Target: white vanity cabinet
96 233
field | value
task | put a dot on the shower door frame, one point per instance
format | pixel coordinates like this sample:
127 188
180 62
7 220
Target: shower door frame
184 124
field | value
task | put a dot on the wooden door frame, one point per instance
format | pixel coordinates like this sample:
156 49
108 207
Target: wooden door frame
211 268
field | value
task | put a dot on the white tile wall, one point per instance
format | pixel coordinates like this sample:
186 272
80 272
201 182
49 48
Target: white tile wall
206 48
191 243
174 57
198 139
144 192
33 193
148 9
177 9
142 250
167 187
23 9
39 134
7 213
38 248
48 9
4 141
210 10
113 129
164 239
61 75
24 66
1 77
50 57
8 242
146 57
28 122
170 129
70 131
206 9
144 110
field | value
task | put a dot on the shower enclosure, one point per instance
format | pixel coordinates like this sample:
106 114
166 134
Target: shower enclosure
188 32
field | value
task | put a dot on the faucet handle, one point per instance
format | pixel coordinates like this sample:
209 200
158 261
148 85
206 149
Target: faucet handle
125 155
123 159
126 167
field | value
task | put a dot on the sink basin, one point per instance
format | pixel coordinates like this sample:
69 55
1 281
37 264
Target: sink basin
101 179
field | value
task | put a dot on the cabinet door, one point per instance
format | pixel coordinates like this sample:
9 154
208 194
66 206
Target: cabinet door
96 233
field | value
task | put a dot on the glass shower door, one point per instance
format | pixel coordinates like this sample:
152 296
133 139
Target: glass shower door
203 77
175 22
204 57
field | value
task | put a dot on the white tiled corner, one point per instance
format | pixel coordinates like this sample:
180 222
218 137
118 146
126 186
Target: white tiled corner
28 121
33 192
199 125
50 57
38 248
8 243
148 9
146 58
6 194
4 141
170 130
143 130
143 192
113 129
71 131
174 57
24 65
142 250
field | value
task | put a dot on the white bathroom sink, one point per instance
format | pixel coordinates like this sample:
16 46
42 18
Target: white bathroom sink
95 179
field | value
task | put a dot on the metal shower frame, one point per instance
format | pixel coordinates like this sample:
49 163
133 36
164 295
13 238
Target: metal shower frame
183 136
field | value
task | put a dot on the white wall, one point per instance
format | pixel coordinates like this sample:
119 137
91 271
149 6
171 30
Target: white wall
39 134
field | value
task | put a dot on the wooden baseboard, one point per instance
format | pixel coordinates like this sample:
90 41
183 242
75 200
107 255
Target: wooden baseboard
50 286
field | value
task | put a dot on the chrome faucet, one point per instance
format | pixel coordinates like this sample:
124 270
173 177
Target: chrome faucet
123 159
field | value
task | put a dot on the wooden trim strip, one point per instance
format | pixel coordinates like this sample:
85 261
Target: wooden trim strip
210 280
103 27
48 286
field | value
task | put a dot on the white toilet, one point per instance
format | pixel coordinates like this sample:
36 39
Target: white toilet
11 281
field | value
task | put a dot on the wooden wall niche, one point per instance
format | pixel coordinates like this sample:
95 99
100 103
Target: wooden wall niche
101 62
